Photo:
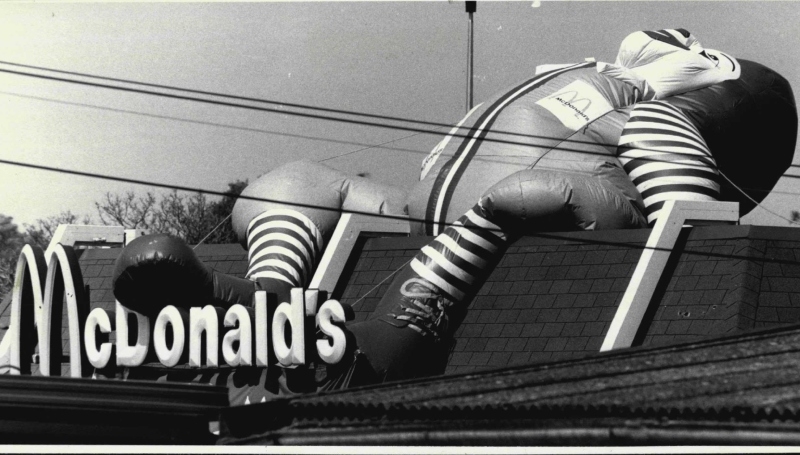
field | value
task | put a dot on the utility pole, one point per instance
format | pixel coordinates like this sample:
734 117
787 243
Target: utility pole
471 8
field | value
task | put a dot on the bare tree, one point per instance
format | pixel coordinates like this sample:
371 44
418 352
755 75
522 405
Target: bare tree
39 234
128 210
191 217
11 242
188 217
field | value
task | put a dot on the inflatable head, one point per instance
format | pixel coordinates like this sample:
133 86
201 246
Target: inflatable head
750 126
673 61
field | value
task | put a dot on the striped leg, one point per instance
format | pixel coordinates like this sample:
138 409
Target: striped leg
425 302
283 245
449 271
666 158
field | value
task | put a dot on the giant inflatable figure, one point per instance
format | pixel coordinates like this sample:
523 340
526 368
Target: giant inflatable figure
576 147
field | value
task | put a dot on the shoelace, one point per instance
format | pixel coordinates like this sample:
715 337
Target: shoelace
427 319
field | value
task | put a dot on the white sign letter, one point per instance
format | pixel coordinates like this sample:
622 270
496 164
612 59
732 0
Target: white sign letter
262 329
98 319
169 357
243 334
127 355
330 313
205 320
294 315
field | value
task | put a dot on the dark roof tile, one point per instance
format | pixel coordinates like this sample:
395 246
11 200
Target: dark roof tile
564 300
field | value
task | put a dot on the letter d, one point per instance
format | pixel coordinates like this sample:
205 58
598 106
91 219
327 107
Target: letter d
293 314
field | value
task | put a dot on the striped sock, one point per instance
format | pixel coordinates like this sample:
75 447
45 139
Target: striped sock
284 245
666 158
451 268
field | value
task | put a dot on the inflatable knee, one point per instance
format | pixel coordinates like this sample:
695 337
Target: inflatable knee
316 191
285 234
537 200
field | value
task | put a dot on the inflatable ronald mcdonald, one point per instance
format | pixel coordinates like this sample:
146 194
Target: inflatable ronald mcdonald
585 146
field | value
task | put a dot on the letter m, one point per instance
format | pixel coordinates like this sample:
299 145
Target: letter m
41 287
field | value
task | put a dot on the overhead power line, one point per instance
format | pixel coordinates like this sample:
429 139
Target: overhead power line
224 95
291 113
364 146
253 99
357 212
300 114
319 117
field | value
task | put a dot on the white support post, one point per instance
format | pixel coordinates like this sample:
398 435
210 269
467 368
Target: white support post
131 234
654 258
342 242
71 234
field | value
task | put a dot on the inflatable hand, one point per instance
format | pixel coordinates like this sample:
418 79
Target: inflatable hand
154 271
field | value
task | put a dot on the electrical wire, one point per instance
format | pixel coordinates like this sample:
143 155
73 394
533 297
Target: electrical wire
335 119
317 138
753 200
365 213
365 146
363 296
225 95
212 231
248 98
214 124
435 132
314 116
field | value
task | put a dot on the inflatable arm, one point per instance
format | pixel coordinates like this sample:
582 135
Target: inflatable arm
154 271
666 158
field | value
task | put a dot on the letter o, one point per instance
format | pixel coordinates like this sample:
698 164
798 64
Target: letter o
169 357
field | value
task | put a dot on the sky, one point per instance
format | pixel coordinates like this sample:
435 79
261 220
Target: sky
399 59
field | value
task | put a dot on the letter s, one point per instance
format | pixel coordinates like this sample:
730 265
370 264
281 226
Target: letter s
330 313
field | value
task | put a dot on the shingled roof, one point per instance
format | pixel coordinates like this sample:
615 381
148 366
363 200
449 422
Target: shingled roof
553 296
733 390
